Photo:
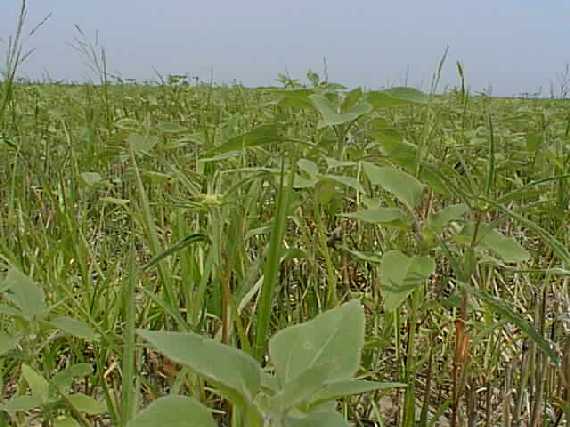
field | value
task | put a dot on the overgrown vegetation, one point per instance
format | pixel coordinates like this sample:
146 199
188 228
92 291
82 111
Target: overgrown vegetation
229 215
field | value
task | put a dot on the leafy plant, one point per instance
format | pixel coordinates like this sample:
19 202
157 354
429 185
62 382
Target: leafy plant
314 364
50 395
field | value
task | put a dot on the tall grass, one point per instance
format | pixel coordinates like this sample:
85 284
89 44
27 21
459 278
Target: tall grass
235 212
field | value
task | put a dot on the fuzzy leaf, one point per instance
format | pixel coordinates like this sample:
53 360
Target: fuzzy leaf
21 403
402 185
225 366
507 248
334 338
87 404
173 411
38 384
7 343
65 378
439 220
262 135
25 294
401 274
331 117
74 327
385 216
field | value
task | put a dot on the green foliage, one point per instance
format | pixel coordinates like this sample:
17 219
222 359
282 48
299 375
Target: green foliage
334 339
330 116
174 411
401 275
314 363
386 216
23 293
233 372
235 213
47 394
260 136
439 220
396 97
404 186
74 327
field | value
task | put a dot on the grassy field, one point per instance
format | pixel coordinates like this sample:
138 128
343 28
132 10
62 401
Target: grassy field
229 214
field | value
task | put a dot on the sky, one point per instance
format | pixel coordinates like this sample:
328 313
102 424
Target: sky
512 46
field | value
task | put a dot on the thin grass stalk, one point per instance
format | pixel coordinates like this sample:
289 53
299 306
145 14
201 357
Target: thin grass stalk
129 345
271 268
150 228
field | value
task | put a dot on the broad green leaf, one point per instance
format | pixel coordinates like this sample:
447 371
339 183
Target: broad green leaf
334 338
91 178
394 269
402 185
352 99
301 389
174 411
503 309
398 151
326 191
25 294
308 166
507 248
64 379
7 343
437 222
318 419
396 97
340 389
296 98
21 403
142 144
385 216
262 135
331 117
433 176
87 404
302 182
269 382
225 366
349 181
38 384
404 154
401 274
11 311
74 327
407 95
334 164
358 109
66 422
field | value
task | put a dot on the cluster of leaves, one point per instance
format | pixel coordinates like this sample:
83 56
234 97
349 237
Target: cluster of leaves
313 363
234 213
34 324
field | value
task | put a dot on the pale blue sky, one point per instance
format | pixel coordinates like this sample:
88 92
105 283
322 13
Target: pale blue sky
514 45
